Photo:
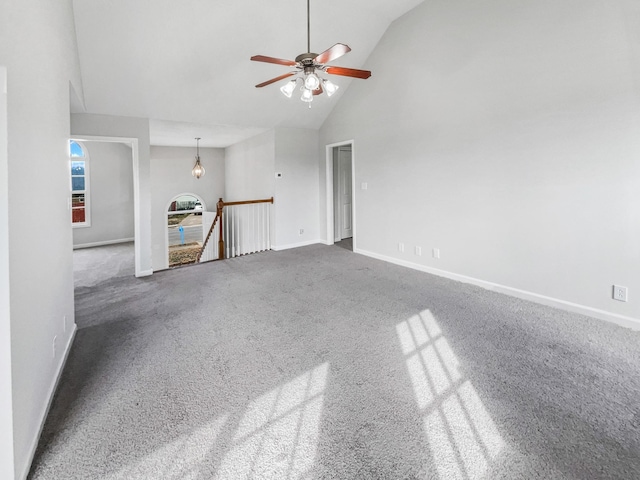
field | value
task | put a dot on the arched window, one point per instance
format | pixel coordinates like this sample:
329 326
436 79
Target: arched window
184 229
79 165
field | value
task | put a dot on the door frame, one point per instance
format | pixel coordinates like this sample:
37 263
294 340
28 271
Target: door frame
137 220
329 190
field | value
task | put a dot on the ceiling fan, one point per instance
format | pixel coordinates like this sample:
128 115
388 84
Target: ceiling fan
307 64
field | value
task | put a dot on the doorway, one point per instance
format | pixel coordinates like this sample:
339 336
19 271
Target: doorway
132 143
340 195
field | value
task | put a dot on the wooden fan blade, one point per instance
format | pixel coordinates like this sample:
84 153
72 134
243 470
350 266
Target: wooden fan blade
274 80
318 91
348 72
278 61
338 50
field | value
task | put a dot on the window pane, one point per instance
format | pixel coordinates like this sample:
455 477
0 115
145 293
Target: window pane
183 202
75 149
77 168
77 200
77 183
77 215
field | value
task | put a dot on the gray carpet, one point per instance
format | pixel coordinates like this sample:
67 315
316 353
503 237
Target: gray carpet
317 363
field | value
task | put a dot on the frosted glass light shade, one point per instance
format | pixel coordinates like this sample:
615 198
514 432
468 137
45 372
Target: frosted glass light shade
311 81
288 88
329 87
307 95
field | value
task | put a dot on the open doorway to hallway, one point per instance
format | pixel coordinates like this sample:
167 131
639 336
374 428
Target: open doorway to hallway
340 197
117 186
102 212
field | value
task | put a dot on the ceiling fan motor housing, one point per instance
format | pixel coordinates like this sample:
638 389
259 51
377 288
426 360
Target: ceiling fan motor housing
306 59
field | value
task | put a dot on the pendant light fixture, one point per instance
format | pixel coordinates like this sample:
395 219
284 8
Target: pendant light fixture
198 169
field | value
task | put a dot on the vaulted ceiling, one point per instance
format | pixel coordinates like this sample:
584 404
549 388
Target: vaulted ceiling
185 64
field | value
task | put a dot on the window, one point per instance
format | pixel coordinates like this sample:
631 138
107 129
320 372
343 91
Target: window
79 164
184 229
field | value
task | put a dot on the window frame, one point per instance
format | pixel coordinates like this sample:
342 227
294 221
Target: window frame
87 187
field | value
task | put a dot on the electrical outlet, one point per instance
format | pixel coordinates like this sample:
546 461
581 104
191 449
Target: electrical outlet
401 247
64 323
419 251
620 293
364 185
55 339
435 253
301 231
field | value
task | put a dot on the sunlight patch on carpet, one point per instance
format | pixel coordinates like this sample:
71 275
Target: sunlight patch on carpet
278 434
460 432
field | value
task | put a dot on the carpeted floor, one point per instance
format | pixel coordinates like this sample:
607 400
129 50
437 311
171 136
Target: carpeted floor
317 363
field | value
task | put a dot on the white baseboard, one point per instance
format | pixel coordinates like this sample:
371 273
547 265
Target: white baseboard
45 413
622 320
101 244
295 245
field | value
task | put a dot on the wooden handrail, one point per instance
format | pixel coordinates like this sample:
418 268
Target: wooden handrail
246 202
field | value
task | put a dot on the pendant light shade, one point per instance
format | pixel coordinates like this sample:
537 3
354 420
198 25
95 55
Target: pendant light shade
198 169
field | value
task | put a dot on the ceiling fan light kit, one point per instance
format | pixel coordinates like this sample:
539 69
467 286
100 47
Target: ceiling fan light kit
307 67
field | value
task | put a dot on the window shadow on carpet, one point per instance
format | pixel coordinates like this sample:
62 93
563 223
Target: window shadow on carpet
461 435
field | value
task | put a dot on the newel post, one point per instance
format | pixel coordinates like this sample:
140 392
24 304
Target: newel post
220 207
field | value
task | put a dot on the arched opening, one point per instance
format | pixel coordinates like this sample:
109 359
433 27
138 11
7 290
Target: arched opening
184 229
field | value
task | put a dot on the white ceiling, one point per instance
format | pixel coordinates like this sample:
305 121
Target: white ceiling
185 64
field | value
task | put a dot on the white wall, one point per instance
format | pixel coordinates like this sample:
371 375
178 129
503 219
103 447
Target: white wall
110 194
6 408
296 192
37 46
136 128
510 142
171 176
250 172
250 168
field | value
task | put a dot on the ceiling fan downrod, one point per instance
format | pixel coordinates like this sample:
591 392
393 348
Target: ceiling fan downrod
308 29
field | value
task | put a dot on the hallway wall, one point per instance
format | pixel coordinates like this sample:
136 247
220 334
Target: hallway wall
38 48
171 176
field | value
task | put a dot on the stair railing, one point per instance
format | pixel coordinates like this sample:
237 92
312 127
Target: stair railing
244 229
